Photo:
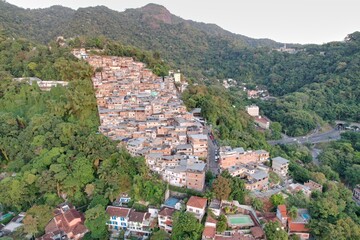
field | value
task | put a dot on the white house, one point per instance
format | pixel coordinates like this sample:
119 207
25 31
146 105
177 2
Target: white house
165 219
139 222
197 206
119 217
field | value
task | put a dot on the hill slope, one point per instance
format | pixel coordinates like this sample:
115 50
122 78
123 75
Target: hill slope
184 43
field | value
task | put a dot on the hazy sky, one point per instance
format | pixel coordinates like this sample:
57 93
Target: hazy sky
295 21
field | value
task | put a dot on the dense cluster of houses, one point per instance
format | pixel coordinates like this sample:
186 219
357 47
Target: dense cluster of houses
250 166
146 114
140 224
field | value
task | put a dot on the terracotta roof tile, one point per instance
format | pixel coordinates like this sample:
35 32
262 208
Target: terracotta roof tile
209 219
209 232
282 209
257 232
118 211
167 212
297 227
197 202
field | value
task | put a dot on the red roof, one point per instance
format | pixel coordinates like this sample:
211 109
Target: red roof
209 219
209 232
282 209
257 232
117 211
298 227
168 212
197 202
261 120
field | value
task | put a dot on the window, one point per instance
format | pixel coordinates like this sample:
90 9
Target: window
113 217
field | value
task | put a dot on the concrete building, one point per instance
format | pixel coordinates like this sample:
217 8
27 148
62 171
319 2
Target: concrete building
252 110
199 144
280 166
231 157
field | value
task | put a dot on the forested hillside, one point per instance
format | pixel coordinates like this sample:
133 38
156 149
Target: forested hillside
182 43
50 150
318 83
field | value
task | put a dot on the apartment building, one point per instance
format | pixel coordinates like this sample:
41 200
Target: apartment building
280 166
231 157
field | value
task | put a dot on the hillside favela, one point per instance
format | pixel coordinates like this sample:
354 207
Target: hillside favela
139 124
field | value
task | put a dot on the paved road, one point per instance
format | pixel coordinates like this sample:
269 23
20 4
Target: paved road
212 165
331 135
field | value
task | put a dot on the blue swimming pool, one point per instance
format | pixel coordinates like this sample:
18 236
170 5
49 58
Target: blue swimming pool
305 216
171 202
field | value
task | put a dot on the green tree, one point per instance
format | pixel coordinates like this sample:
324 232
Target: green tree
37 217
185 226
293 212
160 235
96 219
221 225
257 204
274 231
221 187
277 199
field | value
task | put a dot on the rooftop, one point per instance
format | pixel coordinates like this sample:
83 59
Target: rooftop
280 160
197 202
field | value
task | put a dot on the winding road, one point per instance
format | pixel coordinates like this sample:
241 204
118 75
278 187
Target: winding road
328 136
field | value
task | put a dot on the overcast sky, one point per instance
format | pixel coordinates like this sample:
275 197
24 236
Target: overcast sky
295 21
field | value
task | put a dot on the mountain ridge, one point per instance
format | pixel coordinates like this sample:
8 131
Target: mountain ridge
184 44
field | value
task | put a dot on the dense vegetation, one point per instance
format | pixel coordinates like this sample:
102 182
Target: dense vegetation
230 123
319 82
183 43
334 213
50 150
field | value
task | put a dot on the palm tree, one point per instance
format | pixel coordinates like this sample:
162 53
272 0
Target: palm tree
209 195
293 212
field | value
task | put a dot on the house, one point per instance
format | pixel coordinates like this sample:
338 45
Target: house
139 223
215 207
190 173
15 223
252 110
233 156
199 144
197 206
297 226
297 187
67 223
165 219
262 122
119 217
257 232
313 186
280 166
122 199
258 180
281 214
210 229
356 194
